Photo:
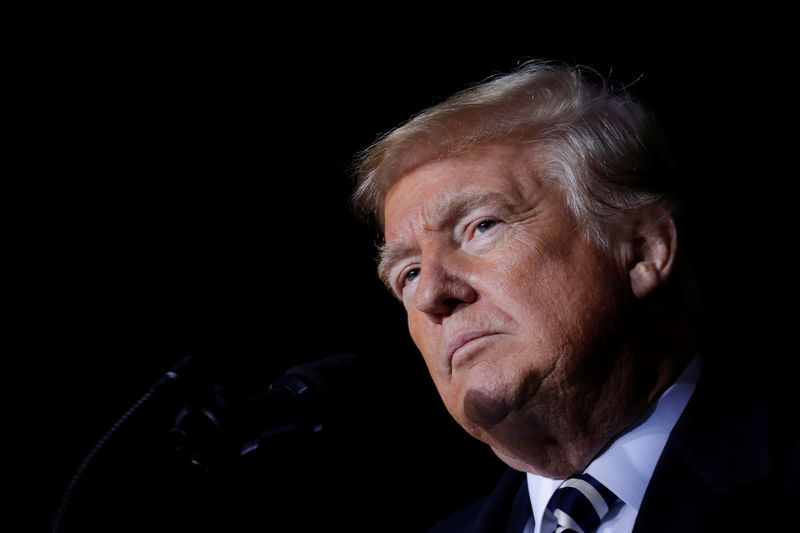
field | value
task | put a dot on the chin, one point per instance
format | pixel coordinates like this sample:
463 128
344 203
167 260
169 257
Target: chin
485 410
548 461
531 445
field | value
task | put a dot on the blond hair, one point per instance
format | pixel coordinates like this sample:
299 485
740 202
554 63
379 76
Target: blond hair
605 148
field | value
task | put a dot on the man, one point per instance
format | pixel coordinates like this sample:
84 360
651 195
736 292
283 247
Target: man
530 233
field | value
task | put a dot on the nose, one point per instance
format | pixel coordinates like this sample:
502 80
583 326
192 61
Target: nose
443 285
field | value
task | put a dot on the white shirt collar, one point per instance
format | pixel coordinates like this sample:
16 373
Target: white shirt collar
627 465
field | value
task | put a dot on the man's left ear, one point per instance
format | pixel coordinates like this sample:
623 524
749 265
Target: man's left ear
654 246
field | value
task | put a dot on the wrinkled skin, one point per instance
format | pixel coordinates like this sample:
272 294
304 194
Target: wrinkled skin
524 324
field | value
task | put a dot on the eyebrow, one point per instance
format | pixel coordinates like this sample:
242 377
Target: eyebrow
390 253
444 210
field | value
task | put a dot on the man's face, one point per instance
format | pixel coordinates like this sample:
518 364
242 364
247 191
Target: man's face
515 313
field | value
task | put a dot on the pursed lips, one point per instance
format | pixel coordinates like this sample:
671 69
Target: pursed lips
462 339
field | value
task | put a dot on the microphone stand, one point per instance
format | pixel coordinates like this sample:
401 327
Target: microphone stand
172 376
225 441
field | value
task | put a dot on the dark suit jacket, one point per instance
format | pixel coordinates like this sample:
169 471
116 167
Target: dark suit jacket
730 464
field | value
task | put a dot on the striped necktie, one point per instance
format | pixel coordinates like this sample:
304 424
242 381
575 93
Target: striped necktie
580 503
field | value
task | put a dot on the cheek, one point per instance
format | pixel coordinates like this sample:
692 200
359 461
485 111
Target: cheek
522 282
425 338
415 328
560 297
583 308
522 264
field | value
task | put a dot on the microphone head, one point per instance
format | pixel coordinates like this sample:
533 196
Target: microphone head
333 393
311 397
335 375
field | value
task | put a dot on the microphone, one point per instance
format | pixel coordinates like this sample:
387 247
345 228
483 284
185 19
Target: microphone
305 400
176 375
216 426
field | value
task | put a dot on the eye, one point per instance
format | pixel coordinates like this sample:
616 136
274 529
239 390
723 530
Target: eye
482 234
406 277
485 226
410 275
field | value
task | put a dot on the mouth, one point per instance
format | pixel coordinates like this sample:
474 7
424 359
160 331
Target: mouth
461 343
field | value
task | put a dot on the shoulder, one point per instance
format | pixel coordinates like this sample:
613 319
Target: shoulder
733 455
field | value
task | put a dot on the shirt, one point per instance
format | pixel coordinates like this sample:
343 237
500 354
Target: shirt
626 466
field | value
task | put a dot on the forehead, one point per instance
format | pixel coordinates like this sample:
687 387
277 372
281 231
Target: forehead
494 174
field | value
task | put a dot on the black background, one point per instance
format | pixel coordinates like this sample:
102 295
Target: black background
181 187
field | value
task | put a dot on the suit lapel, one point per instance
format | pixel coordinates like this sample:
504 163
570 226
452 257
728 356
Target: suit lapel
520 509
507 506
715 461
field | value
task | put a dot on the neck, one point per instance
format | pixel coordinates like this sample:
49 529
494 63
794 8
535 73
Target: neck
658 348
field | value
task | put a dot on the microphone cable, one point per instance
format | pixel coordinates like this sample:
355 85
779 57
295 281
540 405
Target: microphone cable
169 377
